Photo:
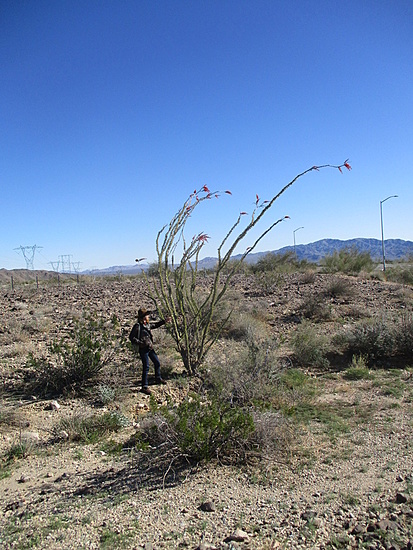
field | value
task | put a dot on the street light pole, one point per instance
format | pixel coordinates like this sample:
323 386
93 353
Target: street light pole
295 251
381 225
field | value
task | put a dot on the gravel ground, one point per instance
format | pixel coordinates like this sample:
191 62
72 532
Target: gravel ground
350 489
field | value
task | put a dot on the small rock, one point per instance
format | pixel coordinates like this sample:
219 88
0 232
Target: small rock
23 479
54 405
387 525
308 515
359 528
14 505
206 546
401 498
207 506
237 536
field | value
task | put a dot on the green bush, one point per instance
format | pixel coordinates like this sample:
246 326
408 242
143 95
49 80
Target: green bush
74 361
338 287
91 428
275 262
206 427
347 260
400 274
358 369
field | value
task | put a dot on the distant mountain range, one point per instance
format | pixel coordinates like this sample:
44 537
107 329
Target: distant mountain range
396 249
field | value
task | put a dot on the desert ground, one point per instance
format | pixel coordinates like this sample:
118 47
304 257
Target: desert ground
340 474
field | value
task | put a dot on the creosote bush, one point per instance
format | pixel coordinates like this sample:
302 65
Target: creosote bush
347 260
74 361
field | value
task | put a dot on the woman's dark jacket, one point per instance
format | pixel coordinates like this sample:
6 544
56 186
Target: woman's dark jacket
141 335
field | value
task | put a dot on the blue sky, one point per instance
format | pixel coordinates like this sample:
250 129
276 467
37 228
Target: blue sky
113 112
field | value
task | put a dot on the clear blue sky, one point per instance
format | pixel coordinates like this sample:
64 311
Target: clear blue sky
113 111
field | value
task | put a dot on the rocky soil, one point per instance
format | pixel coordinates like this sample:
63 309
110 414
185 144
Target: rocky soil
344 482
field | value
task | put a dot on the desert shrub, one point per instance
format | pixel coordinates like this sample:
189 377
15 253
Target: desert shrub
273 434
106 394
370 338
358 369
175 292
403 335
308 277
246 376
347 260
315 307
338 287
206 427
91 428
275 262
74 361
400 274
266 282
310 348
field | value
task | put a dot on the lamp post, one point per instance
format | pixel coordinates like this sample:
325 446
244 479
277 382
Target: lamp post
381 225
295 251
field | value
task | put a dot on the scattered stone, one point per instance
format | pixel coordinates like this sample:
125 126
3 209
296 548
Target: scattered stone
23 479
206 546
401 498
54 405
207 506
387 525
14 505
358 529
237 536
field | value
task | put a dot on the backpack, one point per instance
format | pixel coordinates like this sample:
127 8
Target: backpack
135 334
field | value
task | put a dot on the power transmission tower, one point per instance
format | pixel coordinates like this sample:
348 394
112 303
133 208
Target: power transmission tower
28 254
65 261
76 266
55 265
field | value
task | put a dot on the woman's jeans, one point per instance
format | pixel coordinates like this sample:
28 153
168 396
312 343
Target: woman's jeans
145 356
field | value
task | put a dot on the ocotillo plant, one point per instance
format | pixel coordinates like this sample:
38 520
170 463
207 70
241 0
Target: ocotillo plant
175 290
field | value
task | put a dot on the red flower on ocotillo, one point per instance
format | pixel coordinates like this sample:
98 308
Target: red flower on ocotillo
205 188
228 192
243 213
203 237
347 165
287 217
339 167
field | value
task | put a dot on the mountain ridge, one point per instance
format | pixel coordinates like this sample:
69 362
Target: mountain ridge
395 249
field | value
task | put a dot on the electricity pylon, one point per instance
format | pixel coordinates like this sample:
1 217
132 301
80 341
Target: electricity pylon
66 263
28 254
76 266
